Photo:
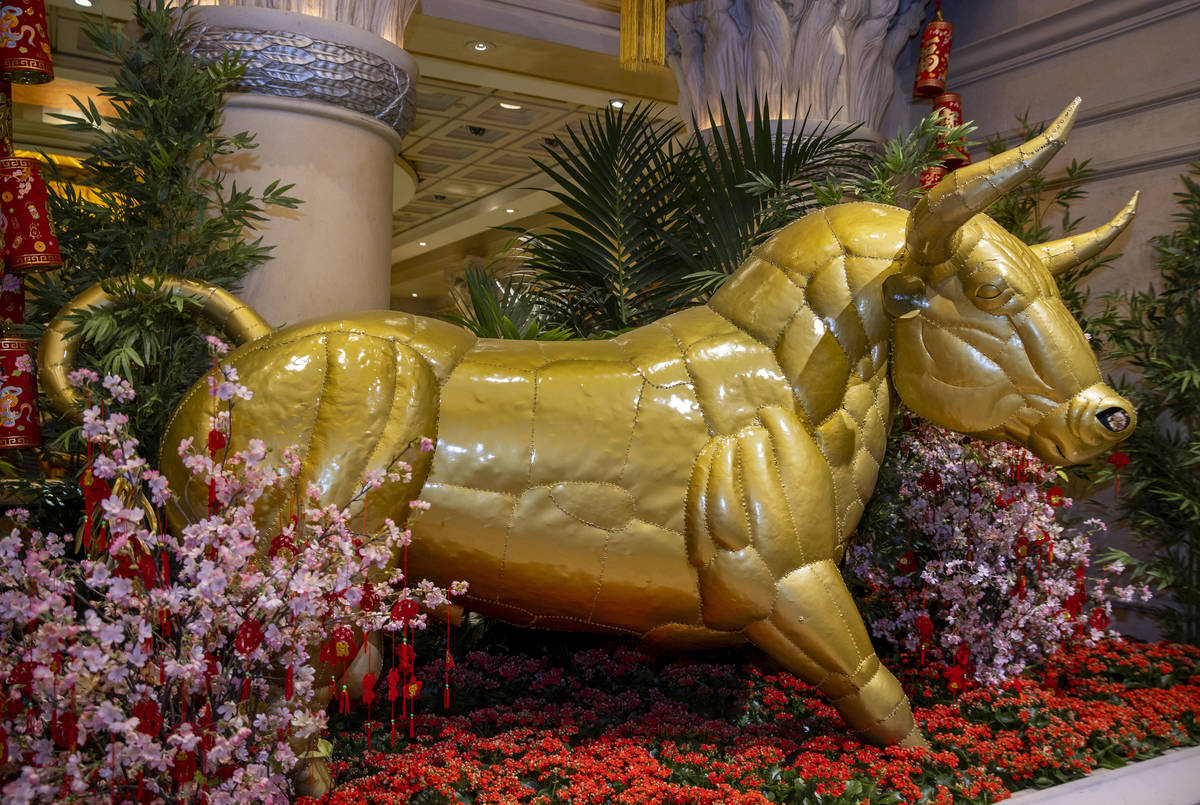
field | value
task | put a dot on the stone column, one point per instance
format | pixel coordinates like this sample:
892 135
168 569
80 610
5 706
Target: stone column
834 58
329 104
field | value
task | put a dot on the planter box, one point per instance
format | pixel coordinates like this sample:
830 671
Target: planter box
1172 779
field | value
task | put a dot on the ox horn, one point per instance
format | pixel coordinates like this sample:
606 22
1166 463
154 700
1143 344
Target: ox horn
1059 255
968 191
60 341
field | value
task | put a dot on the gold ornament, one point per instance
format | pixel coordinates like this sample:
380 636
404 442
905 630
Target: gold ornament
694 482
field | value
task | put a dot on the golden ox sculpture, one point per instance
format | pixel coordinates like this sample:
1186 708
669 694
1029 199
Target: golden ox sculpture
692 482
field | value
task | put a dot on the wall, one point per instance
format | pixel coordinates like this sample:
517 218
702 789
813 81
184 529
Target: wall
1135 63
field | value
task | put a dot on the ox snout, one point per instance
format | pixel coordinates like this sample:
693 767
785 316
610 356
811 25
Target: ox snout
1083 427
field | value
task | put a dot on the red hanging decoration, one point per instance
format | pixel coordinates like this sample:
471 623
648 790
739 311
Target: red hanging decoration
1099 619
931 176
20 425
25 43
216 443
249 637
1118 460
405 658
1055 497
29 241
907 563
405 610
149 717
3 746
924 627
342 642
935 58
183 769
948 108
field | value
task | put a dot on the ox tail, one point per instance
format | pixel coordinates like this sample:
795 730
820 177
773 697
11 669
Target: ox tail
60 341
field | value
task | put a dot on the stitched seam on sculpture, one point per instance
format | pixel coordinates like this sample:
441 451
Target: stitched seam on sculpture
794 527
391 408
841 615
637 410
692 377
324 339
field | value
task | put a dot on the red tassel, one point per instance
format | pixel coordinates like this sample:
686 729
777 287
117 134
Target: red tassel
246 688
393 742
446 697
289 685
344 704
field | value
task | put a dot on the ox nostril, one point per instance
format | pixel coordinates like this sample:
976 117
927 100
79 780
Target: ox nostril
1115 419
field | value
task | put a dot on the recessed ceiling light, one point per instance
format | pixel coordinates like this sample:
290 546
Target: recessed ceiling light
616 103
507 105
480 46
84 3
510 210
414 294
422 243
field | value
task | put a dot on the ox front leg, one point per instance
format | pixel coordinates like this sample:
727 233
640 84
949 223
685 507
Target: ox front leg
762 536
816 632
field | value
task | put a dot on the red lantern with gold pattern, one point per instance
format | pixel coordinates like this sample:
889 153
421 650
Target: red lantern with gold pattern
931 176
934 59
28 237
948 108
19 425
25 43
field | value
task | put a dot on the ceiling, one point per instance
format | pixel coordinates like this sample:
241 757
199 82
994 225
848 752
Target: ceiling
472 158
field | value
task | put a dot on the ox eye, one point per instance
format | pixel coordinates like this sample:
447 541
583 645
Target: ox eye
990 291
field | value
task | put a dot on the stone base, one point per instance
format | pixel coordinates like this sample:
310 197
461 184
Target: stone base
1172 779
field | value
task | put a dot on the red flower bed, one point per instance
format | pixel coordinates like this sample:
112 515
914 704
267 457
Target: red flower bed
620 725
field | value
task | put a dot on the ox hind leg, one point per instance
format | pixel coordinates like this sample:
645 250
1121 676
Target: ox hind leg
816 632
374 407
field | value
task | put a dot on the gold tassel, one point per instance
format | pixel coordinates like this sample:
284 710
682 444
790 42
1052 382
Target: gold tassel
643 34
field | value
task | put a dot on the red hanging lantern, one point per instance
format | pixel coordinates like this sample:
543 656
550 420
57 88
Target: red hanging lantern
934 59
948 108
1055 497
907 563
29 240
20 425
25 43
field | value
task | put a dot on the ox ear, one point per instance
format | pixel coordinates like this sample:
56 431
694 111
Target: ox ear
904 295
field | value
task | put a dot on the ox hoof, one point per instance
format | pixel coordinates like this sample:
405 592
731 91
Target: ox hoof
915 740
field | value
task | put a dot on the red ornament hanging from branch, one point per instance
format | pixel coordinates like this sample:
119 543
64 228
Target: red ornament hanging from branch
934 59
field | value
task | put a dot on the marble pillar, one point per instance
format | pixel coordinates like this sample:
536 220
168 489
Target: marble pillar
329 104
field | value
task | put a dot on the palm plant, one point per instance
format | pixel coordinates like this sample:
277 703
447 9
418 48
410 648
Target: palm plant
502 308
744 179
656 220
608 267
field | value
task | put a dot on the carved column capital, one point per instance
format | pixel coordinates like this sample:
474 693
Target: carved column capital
834 58
297 57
